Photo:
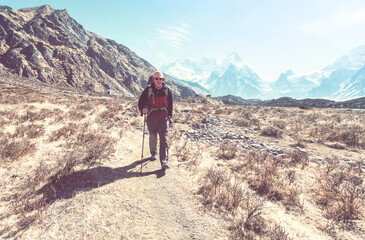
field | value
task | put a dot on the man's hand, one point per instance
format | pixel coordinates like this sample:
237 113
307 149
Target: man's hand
144 111
171 123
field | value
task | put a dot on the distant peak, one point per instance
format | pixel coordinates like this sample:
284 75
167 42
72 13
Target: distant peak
234 56
234 59
354 59
289 72
5 8
42 10
359 50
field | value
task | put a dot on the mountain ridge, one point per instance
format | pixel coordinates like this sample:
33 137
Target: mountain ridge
49 45
232 75
342 80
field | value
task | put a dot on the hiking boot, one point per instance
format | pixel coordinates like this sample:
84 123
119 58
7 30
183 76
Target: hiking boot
153 157
165 165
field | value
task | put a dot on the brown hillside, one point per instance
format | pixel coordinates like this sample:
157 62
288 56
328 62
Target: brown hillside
49 45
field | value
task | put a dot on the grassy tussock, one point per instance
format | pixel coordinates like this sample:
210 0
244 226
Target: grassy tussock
340 191
227 150
12 149
186 152
220 190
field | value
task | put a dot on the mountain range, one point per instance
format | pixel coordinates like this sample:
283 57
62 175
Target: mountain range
230 76
341 80
49 46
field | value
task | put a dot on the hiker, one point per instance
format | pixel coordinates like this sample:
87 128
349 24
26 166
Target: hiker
156 102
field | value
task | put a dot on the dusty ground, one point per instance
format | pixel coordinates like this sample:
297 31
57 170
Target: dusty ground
114 200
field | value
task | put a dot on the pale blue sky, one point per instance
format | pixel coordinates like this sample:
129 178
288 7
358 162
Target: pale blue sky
272 36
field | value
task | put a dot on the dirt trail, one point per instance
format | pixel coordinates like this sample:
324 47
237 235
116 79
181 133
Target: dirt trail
122 203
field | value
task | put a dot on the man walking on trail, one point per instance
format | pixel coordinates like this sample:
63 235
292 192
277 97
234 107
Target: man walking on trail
156 102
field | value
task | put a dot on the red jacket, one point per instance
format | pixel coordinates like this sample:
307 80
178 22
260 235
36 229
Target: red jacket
159 99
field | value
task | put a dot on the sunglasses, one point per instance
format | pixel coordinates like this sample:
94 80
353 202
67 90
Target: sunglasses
162 79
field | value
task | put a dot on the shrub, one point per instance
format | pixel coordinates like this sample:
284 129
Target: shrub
213 180
63 167
227 150
48 113
222 191
108 119
230 195
85 107
340 190
28 196
186 151
30 131
182 150
241 122
264 177
279 124
250 221
76 115
299 156
278 233
94 147
29 116
64 132
88 149
353 136
11 150
271 132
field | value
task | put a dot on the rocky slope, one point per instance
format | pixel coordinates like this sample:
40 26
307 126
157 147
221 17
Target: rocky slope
49 45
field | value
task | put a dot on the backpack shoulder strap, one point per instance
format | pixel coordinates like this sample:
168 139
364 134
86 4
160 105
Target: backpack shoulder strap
150 93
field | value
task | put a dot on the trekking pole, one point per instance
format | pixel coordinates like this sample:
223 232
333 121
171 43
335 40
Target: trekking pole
170 125
144 127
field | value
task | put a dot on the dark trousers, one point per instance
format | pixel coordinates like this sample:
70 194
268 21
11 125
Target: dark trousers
158 125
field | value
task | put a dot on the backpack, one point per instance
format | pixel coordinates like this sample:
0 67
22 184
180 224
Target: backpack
149 81
150 93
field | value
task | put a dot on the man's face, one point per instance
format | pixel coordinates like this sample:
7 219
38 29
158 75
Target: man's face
158 79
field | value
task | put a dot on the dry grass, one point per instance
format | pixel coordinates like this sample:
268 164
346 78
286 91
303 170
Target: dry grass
340 192
227 150
220 190
60 123
186 152
319 125
12 150
286 180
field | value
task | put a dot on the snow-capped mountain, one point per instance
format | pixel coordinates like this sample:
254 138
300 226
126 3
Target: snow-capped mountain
355 59
341 80
230 76
346 78
194 70
332 83
294 85
354 88
233 76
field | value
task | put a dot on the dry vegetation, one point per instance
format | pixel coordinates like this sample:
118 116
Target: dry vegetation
47 137
319 176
